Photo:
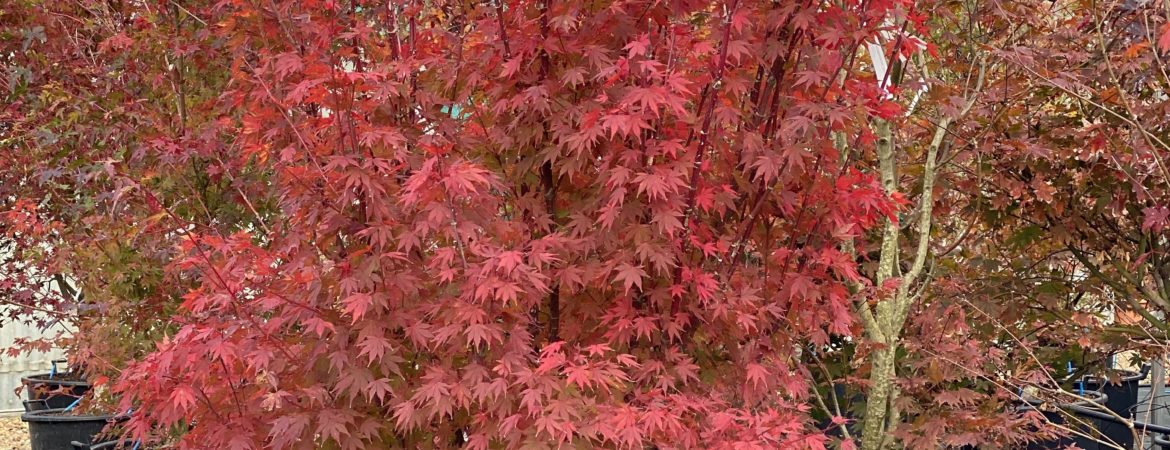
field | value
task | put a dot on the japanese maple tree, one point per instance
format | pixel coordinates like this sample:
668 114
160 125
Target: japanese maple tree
509 224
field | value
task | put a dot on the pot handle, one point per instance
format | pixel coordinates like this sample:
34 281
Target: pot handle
44 404
55 370
79 446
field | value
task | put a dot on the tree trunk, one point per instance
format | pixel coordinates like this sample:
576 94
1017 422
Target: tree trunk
881 396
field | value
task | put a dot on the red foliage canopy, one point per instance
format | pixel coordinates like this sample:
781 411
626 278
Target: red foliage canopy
523 223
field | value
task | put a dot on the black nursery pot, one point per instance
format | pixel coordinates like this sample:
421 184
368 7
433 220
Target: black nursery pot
1162 442
1058 417
55 429
1123 395
53 391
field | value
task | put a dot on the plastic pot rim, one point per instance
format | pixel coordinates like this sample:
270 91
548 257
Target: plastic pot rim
1097 397
1127 376
56 416
43 378
103 445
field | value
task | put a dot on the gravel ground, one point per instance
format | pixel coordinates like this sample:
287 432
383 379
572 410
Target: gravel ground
13 433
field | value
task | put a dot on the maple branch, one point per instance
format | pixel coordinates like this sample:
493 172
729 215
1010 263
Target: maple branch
232 385
1151 294
832 396
867 318
1036 360
1121 91
283 112
547 180
65 288
1004 387
247 202
503 30
696 169
1130 121
57 314
210 406
1161 65
888 259
926 200
836 411
777 73
745 228
219 277
180 95
396 48
885 81
1096 271
187 12
925 217
285 29
454 221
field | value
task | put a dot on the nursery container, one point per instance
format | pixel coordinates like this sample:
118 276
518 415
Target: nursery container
56 429
1058 417
1161 442
1123 396
1152 409
57 390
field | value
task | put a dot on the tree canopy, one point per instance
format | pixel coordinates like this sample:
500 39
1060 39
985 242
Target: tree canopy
562 224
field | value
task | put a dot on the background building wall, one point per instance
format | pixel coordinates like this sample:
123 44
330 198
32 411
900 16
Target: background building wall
13 368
